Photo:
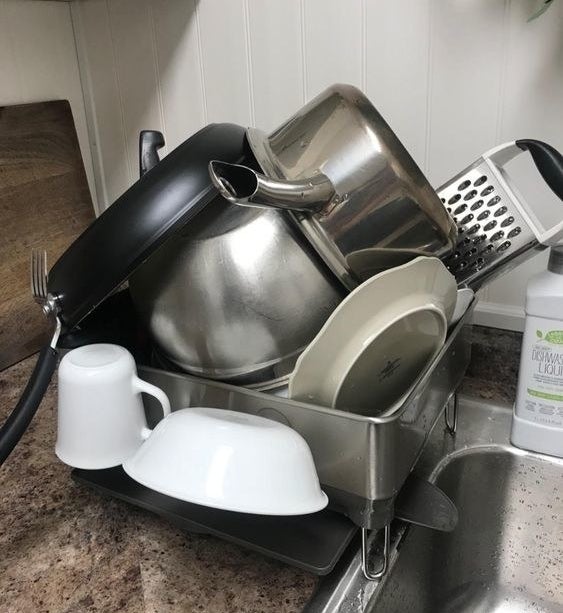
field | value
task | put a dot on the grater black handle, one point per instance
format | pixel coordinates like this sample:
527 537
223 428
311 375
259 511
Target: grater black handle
548 161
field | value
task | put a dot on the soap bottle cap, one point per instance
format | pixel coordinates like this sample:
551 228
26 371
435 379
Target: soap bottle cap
555 263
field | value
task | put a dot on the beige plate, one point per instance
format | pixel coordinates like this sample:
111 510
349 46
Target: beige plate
377 343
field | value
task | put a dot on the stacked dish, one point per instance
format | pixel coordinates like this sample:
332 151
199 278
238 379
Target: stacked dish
372 350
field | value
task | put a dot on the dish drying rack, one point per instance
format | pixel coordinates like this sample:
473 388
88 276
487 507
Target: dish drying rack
363 462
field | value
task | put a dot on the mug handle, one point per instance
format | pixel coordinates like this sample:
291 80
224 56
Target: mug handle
142 386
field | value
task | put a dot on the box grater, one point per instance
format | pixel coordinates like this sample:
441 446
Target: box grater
497 229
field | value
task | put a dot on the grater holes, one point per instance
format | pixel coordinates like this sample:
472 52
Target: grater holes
483 215
508 221
467 219
482 179
488 190
474 229
463 185
503 246
460 209
500 211
476 205
497 236
479 239
481 254
470 194
454 198
494 200
443 200
490 225
514 232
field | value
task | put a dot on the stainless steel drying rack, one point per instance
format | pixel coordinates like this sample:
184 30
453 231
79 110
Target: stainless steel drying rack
362 462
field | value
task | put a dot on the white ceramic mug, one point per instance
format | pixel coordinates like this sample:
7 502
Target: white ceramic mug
101 420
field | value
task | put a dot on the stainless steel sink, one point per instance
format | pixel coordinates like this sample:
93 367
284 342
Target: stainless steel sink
506 553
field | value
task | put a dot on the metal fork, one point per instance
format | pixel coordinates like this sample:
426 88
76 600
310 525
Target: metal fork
39 291
19 419
39 276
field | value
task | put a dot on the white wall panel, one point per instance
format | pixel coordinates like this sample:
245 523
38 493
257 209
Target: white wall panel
225 61
38 61
277 60
132 37
103 98
452 78
178 58
333 43
466 64
396 65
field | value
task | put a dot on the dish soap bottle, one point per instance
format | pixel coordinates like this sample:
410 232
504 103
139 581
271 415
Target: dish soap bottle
537 423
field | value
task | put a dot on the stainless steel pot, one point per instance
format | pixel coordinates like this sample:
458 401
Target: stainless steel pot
236 295
356 193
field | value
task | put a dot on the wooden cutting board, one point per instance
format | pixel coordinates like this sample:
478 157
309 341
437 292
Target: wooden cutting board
44 203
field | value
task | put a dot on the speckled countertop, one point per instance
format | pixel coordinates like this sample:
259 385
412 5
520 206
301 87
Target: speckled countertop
66 549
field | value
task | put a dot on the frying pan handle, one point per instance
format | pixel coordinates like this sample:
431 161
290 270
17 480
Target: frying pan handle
548 161
21 416
150 141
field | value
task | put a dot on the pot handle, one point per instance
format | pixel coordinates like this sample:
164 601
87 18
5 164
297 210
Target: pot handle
150 141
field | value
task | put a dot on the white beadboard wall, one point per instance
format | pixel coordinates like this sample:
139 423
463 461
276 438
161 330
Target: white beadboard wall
452 78
38 61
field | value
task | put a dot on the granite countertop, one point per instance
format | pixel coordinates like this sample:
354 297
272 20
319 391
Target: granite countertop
67 549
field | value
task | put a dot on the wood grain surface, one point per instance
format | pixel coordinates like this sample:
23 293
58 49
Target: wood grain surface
44 203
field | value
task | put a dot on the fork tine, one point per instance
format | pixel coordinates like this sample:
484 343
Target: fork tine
44 273
38 274
33 273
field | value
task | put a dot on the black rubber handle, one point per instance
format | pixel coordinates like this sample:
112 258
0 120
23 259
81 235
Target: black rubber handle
21 416
150 141
549 162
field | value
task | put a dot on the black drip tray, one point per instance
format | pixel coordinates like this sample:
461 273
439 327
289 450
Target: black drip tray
312 542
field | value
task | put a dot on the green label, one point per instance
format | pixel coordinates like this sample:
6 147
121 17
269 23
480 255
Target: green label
545 396
555 337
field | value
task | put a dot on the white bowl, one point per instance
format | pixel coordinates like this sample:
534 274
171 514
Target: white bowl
229 460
